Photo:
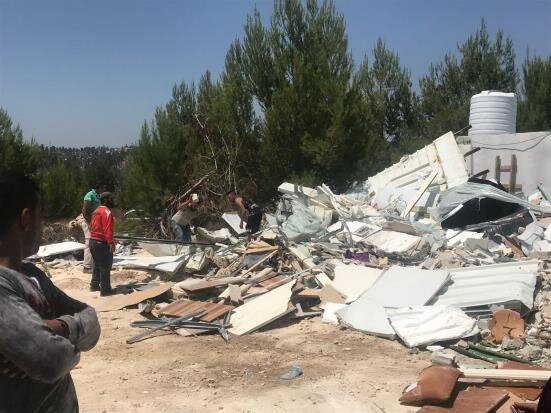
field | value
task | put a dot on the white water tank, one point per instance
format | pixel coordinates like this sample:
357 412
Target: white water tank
493 113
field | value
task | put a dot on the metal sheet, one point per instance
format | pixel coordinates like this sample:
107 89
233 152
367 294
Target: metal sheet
233 220
424 325
506 283
406 286
59 248
170 264
367 316
180 307
158 249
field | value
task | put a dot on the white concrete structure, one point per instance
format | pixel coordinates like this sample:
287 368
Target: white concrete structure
532 150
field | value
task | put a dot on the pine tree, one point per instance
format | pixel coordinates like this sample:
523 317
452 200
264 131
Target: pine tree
482 64
534 113
16 155
300 71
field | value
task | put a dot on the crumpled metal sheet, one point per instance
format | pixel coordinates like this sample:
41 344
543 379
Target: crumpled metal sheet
455 197
507 283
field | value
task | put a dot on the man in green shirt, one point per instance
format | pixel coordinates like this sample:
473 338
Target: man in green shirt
90 203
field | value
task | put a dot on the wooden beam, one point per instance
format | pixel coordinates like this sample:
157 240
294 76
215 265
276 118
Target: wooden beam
266 258
506 374
264 274
481 173
422 189
513 176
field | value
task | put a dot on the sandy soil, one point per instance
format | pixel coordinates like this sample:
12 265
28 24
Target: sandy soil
344 370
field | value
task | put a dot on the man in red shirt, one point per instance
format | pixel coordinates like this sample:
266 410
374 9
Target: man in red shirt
102 246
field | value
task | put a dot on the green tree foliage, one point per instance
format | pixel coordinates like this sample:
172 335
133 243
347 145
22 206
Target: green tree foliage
534 112
62 187
16 155
482 64
387 88
100 165
300 71
392 105
159 164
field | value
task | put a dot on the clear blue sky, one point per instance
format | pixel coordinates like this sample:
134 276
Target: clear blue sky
80 73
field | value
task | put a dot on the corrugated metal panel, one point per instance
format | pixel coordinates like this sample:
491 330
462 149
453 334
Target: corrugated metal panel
507 283
180 307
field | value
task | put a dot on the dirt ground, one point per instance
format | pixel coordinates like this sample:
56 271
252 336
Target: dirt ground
344 370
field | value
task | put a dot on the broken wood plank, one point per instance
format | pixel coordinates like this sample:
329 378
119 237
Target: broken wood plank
235 293
481 174
283 280
507 374
328 294
424 186
273 280
253 292
514 247
261 249
119 301
265 274
262 310
309 293
323 279
266 258
193 284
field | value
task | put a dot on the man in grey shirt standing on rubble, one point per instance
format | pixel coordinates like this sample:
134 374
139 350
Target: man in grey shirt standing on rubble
42 330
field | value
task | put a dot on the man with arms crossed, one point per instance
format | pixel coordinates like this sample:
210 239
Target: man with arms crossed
42 330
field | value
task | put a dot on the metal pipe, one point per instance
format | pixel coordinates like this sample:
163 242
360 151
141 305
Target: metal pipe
491 352
160 241
185 317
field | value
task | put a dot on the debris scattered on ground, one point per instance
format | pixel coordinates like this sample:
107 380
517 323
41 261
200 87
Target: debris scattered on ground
420 252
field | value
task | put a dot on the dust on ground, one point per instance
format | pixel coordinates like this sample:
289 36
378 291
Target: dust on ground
344 370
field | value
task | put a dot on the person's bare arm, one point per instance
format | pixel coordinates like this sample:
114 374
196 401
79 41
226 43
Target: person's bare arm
86 205
241 210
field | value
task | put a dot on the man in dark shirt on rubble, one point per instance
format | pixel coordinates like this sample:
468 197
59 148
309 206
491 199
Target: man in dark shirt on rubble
42 330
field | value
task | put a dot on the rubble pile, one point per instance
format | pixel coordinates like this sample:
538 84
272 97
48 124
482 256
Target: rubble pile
420 252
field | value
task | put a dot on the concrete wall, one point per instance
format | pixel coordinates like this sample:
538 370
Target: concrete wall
533 151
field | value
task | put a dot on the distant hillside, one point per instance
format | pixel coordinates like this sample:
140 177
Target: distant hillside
83 157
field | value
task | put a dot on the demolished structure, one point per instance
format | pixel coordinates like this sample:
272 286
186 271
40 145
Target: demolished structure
421 252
